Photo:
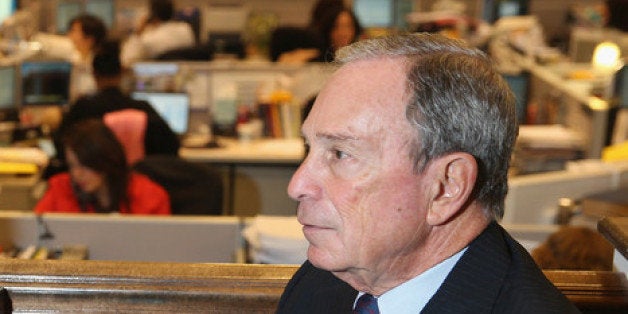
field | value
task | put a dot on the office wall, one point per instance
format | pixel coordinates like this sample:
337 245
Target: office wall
288 11
552 13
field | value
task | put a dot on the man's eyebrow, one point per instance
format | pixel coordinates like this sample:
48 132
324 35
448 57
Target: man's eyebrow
336 137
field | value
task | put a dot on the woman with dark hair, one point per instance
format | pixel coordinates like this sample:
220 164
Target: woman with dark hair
98 178
87 32
338 27
332 26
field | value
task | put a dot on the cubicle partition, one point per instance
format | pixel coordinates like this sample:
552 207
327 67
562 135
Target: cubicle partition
193 264
534 198
200 239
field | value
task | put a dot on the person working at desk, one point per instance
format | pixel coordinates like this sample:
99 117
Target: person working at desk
332 26
406 175
99 179
157 34
338 27
87 33
159 139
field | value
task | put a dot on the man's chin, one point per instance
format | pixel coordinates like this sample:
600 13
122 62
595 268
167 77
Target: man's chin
323 261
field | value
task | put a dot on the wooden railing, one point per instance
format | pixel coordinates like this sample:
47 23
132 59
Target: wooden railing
132 287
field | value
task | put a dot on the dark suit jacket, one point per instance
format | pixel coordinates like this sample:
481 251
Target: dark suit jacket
495 275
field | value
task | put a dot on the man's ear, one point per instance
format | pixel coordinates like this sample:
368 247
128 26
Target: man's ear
454 177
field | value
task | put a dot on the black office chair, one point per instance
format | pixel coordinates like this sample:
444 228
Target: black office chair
193 53
288 38
194 189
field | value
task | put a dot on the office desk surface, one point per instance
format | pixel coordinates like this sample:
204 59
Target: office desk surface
263 151
615 229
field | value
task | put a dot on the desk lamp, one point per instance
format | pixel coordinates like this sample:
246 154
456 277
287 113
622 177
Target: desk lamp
605 62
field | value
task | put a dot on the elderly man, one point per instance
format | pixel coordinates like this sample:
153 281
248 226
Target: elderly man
409 147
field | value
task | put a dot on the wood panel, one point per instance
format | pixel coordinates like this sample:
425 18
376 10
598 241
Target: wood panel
106 286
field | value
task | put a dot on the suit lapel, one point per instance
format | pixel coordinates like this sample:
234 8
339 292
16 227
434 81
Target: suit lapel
474 284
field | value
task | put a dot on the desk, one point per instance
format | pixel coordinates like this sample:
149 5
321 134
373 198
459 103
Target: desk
615 229
256 173
579 110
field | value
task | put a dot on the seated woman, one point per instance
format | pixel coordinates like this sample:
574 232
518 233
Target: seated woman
332 27
99 179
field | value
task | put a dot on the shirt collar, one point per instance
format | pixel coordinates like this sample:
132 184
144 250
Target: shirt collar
412 295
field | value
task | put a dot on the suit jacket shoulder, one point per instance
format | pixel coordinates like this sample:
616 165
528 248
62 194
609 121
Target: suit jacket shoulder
494 275
497 275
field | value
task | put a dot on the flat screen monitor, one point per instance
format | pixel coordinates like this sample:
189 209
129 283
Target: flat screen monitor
374 13
172 107
155 76
45 82
7 8
620 87
8 87
519 84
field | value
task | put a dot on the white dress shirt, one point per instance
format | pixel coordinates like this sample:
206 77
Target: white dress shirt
413 295
155 40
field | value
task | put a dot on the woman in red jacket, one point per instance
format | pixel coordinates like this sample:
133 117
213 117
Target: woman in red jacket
98 178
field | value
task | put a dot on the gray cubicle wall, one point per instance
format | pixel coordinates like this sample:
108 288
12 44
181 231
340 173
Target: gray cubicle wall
533 199
199 239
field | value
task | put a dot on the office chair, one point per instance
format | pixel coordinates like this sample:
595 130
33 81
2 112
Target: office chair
194 189
129 126
288 38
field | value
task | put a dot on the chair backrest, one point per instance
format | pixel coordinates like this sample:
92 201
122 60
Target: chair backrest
288 38
129 126
194 189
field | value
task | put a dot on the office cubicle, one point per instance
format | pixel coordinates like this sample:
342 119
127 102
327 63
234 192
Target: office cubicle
199 239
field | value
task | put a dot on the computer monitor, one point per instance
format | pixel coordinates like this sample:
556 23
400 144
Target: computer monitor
227 43
495 10
172 107
374 13
519 84
7 8
45 82
8 88
155 76
620 87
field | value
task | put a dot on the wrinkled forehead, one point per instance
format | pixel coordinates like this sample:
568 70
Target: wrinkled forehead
362 93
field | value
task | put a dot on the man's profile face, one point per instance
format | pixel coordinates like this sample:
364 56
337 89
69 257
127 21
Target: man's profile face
359 199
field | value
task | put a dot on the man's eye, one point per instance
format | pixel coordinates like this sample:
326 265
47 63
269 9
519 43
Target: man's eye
340 154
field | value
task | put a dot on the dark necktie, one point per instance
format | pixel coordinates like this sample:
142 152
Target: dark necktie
366 304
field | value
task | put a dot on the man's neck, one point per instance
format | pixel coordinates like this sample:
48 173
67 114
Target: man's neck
441 242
